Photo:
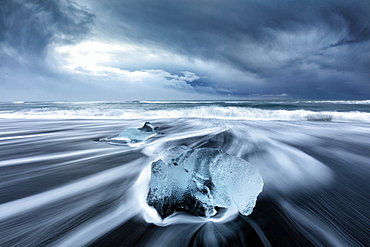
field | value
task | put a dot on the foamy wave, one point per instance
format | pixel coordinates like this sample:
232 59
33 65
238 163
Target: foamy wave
343 102
215 112
185 102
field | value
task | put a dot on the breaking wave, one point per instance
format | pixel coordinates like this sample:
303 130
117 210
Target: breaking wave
210 112
343 102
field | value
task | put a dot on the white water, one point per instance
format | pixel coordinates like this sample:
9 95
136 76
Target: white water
55 179
211 112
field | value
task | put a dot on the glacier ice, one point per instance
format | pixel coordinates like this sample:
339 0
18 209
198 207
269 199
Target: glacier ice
133 135
199 180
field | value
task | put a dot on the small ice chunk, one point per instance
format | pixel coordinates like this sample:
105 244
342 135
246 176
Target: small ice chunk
148 127
199 180
133 135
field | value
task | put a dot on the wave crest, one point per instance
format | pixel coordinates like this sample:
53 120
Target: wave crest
207 112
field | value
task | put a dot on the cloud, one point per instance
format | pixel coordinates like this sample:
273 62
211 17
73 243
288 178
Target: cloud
28 30
287 44
295 49
29 27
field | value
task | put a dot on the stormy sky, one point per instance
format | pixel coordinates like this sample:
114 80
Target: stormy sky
193 49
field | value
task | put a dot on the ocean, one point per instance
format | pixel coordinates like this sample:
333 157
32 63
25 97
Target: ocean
60 185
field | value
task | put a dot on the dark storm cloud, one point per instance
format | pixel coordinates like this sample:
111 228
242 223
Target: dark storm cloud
298 49
28 27
323 46
198 26
27 30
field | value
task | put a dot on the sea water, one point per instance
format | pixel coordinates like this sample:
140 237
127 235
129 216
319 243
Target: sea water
60 186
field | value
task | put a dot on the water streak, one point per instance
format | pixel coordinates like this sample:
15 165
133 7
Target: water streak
59 186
